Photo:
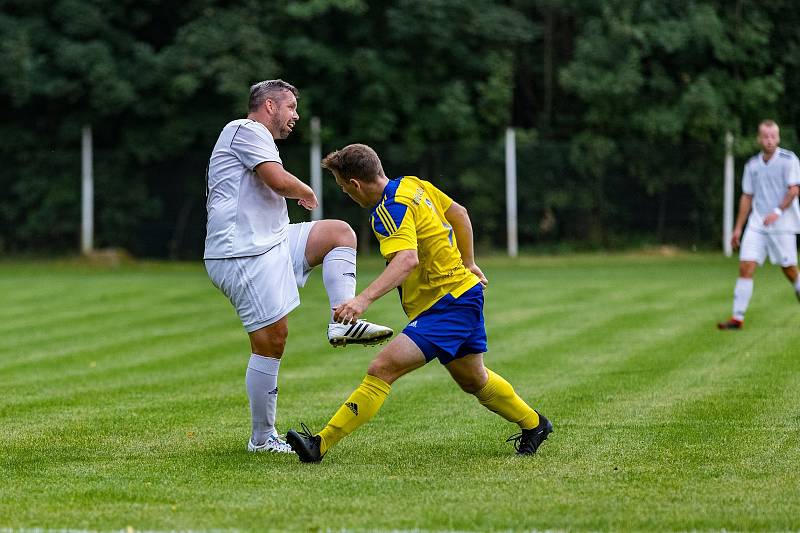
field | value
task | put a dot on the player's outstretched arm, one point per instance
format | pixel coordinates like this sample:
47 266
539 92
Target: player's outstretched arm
398 269
286 184
458 217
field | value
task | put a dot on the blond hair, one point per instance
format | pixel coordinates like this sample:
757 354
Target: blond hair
357 161
769 123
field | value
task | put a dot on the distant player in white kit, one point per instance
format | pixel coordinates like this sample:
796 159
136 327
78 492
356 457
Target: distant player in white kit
258 259
769 204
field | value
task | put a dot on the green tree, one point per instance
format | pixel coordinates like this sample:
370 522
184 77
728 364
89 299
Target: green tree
621 106
662 81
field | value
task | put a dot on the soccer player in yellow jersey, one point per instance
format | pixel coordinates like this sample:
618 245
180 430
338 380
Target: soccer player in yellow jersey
427 239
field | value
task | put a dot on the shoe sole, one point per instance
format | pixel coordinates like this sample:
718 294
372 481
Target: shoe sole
268 450
340 342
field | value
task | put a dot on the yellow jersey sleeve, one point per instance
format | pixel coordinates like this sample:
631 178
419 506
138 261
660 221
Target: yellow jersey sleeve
394 225
438 196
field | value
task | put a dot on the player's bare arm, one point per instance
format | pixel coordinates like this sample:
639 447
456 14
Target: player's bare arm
286 184
398 269
458 217
745 204
791 194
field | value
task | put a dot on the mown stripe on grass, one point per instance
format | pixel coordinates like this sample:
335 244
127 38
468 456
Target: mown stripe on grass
668 409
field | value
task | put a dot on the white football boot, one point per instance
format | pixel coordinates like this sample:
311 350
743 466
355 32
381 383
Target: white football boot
358 332
274 444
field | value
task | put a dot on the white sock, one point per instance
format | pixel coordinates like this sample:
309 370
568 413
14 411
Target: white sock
797 284
262 389
339 275
741 297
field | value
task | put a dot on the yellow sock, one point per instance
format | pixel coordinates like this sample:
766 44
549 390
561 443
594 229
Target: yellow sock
498 396
358 409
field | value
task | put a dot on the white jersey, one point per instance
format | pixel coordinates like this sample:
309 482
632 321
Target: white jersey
245 216
767 183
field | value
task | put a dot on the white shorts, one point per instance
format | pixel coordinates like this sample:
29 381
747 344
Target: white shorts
782 248
263 288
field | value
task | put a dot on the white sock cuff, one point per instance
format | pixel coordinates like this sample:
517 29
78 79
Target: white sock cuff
264 364
744 282
341 253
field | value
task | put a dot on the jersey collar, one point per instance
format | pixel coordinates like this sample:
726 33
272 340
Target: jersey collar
389 191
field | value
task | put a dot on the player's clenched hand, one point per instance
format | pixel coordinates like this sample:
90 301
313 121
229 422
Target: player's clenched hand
350 311
477 271
309 201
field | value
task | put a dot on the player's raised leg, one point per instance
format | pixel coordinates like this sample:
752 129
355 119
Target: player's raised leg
497 395
332 243
400 357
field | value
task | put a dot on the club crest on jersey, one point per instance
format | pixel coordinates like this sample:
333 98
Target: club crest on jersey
418 196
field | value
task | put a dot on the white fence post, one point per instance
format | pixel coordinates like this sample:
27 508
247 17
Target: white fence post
87 192
511 192
316 166
727 212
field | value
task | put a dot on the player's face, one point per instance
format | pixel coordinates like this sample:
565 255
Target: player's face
769 137
350 188
284 115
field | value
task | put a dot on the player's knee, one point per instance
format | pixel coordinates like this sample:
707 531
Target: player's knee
278 344
377 368
470 384
270 343
380 369
269 347
746 270
343 234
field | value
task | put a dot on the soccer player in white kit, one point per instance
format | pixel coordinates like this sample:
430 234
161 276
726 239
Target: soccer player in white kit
769 204
258 259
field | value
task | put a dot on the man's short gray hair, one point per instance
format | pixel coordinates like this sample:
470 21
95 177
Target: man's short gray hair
261 91
769 123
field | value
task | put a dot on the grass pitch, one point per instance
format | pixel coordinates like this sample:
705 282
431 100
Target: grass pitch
123 406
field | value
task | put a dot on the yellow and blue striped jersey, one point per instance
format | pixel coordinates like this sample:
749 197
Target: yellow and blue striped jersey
410 216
